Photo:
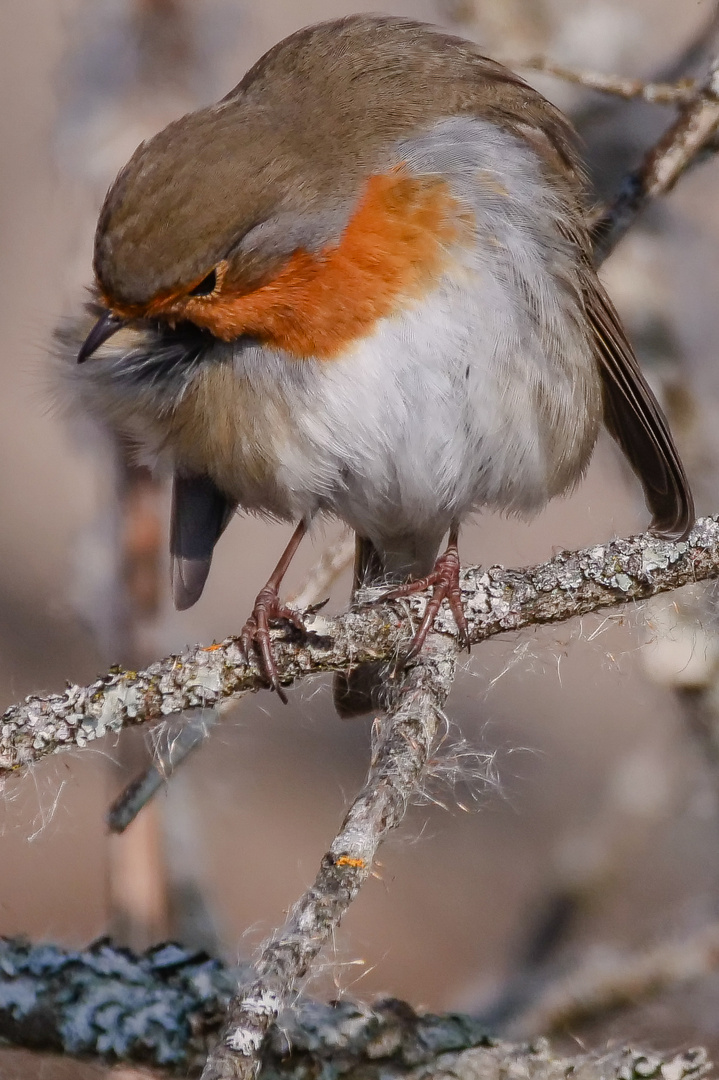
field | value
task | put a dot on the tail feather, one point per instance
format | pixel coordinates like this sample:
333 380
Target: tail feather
200 514
361 690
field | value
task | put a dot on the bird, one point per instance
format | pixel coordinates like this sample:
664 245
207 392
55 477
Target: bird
361 286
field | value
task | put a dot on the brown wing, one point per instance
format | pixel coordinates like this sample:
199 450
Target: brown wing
200 513
635 420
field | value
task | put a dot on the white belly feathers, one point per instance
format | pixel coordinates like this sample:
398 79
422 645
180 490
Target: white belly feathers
457 401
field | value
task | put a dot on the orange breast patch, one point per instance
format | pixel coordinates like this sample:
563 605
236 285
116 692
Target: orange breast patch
393 249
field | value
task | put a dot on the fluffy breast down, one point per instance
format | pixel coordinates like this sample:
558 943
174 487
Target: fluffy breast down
435 361
477 386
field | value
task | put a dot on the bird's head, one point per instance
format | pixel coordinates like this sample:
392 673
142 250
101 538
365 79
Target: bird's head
284 212
202 216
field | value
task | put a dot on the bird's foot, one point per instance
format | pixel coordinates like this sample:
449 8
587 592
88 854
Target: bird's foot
255 633
444 582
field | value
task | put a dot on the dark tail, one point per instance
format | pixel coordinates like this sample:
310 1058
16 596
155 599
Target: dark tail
200 514
358 691
361 690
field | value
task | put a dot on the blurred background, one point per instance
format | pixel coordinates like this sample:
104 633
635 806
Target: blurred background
587 831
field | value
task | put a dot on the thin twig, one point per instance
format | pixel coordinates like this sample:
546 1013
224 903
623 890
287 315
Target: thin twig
679 147
170 750
679 93
402 744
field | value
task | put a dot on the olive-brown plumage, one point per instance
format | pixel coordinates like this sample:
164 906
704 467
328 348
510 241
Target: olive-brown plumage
362 284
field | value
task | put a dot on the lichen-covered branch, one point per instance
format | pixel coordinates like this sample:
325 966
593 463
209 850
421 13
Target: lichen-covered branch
402 743
103 1002
169 754
496 600
163 1007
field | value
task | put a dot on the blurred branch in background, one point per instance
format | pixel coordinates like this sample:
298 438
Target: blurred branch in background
151 49
138 883
587 860
681 146
613 982
680 93
166 53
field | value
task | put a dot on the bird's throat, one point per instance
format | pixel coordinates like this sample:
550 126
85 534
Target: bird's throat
392 251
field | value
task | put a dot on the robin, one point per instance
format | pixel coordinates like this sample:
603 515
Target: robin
361 285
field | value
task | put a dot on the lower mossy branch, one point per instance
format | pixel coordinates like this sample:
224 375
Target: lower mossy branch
164 1007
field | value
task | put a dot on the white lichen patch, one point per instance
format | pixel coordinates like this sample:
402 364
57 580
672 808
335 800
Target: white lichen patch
207 679
127 698
499 607
661 556
244 1041
266 1003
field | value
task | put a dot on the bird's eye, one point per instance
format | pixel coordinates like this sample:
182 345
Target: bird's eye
206 286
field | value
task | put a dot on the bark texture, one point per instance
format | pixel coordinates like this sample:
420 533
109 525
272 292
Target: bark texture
496 600
162 1008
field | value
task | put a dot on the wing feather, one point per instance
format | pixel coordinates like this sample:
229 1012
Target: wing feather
636 421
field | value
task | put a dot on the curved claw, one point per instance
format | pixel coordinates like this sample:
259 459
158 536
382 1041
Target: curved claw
256 634
444 582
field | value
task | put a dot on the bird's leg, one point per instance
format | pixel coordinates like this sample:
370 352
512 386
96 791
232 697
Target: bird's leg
444 582
268 609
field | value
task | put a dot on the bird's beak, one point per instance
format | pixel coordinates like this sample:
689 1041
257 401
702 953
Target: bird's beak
107 325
